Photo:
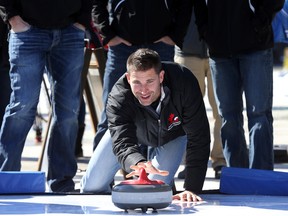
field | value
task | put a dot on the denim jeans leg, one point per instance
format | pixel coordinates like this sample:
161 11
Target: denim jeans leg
27 62
161 158
101 169
227 82
4 79
165 51
64 64
257 70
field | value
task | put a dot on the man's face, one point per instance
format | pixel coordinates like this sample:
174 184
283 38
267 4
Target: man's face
146 85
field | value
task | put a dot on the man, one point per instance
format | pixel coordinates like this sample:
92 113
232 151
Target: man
160 106
47 36
132 24
240 40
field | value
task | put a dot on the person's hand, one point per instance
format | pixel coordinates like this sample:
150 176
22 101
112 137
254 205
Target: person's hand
166 40
118 40
18 24
187 196
149 168
79 26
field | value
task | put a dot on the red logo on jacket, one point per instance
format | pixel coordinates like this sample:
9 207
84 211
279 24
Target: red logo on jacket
173 121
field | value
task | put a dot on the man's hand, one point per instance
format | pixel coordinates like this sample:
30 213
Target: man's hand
79 26
118 40
18 24
166 40
187 196
149 168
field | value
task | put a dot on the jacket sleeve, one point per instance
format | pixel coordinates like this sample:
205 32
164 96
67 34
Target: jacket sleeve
183 12
84 15
100 16
201 17
264 11
196 126
267 9
123 130
8 9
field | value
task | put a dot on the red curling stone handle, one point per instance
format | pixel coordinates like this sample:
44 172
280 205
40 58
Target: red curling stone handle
142 180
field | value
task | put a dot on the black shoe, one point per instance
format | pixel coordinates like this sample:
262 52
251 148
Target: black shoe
218 171
79 153
65 189
182 174
66 185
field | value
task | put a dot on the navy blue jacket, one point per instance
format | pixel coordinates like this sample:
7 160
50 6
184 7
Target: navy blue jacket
48 14
232 27
142 22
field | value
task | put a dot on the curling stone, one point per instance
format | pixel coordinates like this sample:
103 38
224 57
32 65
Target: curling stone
142 193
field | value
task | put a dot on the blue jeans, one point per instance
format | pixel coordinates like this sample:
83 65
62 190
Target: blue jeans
280 25
252 74
115 67
61 53
4 77
103 164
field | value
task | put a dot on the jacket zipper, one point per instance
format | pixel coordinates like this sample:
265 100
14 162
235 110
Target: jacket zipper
119 3
159 131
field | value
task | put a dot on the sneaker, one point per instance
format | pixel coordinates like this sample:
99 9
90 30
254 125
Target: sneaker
218 171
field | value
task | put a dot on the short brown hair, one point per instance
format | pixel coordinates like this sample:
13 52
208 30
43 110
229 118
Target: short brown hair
144 59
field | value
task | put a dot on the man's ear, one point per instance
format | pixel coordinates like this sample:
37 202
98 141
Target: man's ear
127 77
161 75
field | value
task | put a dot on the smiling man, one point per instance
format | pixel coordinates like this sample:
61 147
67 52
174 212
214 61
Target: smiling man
159 105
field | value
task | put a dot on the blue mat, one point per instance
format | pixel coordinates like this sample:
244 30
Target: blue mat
240 181
22 182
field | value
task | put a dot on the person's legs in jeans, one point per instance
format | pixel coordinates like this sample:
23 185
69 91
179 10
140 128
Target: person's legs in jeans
160 157
103 161
64 62
81 129
27 60
5 89
168 157
165 51
228 86
257 70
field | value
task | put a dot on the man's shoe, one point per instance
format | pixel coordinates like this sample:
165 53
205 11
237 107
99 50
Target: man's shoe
218 171
79 153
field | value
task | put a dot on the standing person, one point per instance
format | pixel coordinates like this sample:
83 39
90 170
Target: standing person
280 25
280 30
43 35
5 89
240 41
160 106
133 24
194 55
